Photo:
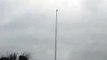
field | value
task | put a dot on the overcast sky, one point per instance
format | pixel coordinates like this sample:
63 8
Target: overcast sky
28 26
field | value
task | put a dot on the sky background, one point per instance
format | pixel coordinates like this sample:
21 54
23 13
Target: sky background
28 26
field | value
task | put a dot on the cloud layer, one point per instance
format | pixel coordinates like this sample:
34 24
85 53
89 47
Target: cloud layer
28 25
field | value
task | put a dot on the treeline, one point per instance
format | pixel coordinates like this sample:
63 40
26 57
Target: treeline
15 56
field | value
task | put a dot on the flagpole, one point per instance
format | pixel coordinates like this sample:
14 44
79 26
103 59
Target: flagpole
56 35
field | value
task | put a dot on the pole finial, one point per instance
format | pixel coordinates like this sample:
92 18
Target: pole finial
56 10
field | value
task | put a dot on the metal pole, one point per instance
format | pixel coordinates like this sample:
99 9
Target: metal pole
56 35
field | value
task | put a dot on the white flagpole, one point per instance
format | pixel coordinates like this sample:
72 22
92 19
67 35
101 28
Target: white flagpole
56 35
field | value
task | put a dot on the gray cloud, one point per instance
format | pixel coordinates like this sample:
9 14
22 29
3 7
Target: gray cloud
30 27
